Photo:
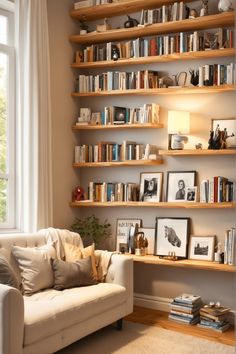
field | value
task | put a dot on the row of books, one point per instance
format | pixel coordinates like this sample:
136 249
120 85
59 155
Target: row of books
185 308
109 81
209 75
216 74
173 12
107 151
89 3
159 45
113 192
148 113
214 317
230 247
216 189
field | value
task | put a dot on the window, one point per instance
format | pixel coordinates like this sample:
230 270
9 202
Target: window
7 116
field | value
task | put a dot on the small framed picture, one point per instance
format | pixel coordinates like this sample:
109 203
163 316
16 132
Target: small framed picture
122 231
171 236
201 247
223 133
226 123
191 194
96 118
177 183
149 234
150 186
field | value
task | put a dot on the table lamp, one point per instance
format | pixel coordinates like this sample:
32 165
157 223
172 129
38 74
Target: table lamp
178 125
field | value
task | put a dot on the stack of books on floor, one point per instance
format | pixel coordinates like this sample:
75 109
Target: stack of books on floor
185 308
214 317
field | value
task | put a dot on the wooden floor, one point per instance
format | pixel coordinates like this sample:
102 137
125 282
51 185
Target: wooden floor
158 318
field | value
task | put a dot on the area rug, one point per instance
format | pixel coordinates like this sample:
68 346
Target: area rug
137 338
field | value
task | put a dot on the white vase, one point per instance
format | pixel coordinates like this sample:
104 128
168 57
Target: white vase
225 5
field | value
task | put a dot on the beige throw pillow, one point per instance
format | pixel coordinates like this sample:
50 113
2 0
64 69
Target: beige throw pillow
7 274
72 274
74 253
35 266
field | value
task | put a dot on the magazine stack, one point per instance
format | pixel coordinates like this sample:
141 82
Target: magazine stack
214 317
185 308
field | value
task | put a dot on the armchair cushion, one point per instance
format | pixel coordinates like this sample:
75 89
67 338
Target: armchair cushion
73 253
35 266
72 274
7 275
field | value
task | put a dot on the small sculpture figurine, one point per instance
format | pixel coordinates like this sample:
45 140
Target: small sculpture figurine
140 243
217 139
194 77
78 194
115 53
204 9
131 22
103 27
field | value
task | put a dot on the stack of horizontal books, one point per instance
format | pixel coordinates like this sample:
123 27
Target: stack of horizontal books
214 317
185 308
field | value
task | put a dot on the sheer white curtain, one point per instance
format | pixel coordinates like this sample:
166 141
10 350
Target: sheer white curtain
33 115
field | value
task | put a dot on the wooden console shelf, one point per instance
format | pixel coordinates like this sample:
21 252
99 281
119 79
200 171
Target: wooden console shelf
207 54
117 126
119 163
224 19
164 205
116 9
203 152
186 263
159 91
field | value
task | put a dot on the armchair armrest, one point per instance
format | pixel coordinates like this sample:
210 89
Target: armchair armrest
120 272
11 320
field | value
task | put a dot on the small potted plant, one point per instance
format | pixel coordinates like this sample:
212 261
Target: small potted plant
91 230
83 27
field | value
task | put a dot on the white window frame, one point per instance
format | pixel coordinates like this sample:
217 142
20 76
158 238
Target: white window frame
7 9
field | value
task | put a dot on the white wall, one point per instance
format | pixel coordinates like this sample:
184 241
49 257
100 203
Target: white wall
149 279
64 110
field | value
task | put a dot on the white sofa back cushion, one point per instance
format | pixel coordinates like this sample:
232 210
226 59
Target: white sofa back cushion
35 266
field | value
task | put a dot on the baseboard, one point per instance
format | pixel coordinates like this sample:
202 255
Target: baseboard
163 304
152 302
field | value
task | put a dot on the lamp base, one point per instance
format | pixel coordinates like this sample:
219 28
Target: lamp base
177 142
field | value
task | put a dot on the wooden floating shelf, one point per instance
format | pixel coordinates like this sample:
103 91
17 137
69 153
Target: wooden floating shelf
197 152
164 205
207 54
159 91
116 9
186 263
119 163
117 126
224 19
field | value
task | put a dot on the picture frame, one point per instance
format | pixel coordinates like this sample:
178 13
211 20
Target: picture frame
228 124
122 231
177 182
191 194
149 233
171 236
150 186
201 248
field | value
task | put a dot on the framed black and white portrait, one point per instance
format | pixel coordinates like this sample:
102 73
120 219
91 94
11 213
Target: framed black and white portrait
201 247
150 186
171 236
191 194
177 184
